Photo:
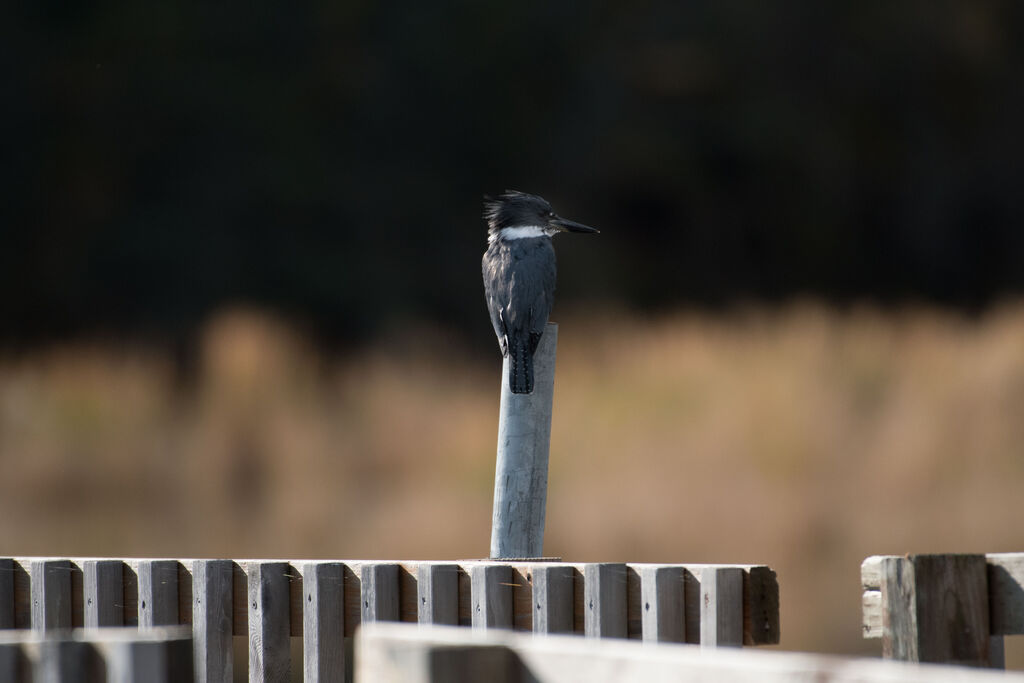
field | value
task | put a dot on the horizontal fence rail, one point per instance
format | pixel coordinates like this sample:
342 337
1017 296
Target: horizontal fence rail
324 601
944 608
397 653
155 655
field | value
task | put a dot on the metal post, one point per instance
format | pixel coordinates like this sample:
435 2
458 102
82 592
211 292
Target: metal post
521 476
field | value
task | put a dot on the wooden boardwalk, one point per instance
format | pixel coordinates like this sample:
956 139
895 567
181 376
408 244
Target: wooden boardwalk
324 601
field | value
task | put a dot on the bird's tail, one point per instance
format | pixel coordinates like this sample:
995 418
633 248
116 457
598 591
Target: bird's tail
520 368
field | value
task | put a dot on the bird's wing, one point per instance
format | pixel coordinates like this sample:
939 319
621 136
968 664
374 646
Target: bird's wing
496 292
520 287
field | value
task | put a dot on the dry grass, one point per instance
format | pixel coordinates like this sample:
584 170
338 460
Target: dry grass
802 438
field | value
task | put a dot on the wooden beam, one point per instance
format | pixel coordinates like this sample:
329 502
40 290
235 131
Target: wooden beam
604 595
212 589
661 605
103 593
51 594
491 586
437 591
721 607
521 471
158 592
269 628
323 630
552 598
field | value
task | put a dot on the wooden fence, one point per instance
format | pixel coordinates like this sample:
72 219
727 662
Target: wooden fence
397 653
944 608
322 602
156 655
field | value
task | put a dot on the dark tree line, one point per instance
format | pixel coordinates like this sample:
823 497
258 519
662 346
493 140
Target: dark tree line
328 158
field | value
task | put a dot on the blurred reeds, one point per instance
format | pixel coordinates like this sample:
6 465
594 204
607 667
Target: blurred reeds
801 437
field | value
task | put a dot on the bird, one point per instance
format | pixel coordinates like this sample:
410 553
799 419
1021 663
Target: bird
519 275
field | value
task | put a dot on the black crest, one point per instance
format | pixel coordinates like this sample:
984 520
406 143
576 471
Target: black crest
513 208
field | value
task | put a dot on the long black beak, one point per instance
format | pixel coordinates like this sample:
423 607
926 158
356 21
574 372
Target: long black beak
572 226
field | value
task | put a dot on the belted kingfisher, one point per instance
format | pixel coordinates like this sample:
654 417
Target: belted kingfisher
519 276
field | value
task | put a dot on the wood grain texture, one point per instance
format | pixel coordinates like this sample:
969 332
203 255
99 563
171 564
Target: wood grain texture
871 611
269 629
491 587
721 607
379 592
521 472
323 629
604 596
437 589
661 605
212 590
103 593
50 594
553 598
935 608
158 592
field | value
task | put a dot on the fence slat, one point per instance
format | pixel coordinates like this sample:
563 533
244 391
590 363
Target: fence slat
323 627
103 593
6 593
721 607
552 598
269 626
212 587
378 592
661 605
491 595
437 593
158 592
935 608
50 594
604 597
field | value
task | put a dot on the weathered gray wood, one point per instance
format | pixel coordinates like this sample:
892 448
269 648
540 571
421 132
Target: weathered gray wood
1005 588
521 475
935 608
158 592
269 625
51 594
103 593
721 607
400 653
437 593
6 593
871 610
379 592
491 595
323 627
899 612
661 605
604 598
553 598
212 586
1006 593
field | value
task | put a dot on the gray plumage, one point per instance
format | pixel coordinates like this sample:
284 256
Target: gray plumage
519 276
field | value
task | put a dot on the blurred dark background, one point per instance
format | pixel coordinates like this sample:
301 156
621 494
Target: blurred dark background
327 160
